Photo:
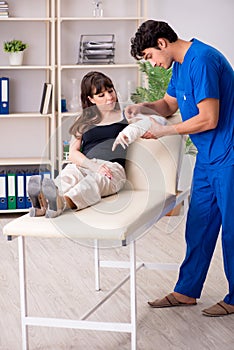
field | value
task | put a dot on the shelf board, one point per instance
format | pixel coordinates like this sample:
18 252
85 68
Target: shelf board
25 67
91 66
101 18
70 114
26 19
64 161
13 211
25 115
24 161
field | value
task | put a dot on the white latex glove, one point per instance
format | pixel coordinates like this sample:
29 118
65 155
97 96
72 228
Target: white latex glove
138 127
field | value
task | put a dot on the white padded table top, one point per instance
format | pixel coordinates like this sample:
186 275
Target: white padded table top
115 218
152 168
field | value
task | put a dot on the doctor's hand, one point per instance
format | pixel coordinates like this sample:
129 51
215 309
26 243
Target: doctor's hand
132 110
158 130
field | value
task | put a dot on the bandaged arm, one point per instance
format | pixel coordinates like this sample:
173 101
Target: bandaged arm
136 129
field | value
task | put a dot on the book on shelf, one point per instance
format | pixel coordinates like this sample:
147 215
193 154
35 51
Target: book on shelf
3 190
14 185
4 95
46 98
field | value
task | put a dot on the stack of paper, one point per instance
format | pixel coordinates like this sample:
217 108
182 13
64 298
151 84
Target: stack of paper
4 9
97 49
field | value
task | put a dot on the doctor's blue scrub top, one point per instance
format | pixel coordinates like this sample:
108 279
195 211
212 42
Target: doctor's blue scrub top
206 73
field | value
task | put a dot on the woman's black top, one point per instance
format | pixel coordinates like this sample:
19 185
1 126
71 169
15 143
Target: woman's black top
98 140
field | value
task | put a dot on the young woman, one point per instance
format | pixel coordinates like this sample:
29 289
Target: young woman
95 170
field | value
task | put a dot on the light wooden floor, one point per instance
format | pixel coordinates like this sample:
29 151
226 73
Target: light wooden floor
61 284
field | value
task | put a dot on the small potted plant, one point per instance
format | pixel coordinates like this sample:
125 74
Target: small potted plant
16 49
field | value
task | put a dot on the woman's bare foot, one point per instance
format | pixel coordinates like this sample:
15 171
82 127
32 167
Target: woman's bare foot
69 203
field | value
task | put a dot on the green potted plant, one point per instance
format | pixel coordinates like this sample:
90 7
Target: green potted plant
189 147
15 48
157 80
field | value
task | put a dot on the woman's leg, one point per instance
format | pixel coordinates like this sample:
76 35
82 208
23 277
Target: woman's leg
69 177
94 186
55 191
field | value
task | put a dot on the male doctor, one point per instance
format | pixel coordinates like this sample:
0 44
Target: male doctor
202 87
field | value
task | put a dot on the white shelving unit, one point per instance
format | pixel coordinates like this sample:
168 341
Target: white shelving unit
75 18
27 137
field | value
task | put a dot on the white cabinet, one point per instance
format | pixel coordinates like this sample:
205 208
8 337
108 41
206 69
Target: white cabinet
27 137
75 18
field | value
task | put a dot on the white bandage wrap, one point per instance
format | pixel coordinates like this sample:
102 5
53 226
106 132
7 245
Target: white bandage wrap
136 129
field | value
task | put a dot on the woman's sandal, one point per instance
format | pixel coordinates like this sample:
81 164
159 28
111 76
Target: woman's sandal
39 204
219 309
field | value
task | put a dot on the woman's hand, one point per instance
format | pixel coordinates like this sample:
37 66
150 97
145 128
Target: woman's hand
121 139
105 170
97 167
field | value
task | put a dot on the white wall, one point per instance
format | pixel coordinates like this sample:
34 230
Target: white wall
208 20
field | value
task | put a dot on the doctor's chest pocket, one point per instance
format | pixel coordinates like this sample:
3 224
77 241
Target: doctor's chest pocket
187 104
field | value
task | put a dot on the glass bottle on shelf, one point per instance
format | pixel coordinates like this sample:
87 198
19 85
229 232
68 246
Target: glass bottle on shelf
98 10
130 91
74 103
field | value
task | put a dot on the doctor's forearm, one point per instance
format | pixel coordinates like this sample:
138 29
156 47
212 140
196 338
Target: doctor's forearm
194 125
191 126
160 107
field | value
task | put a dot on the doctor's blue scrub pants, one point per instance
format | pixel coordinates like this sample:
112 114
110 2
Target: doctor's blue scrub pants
211 206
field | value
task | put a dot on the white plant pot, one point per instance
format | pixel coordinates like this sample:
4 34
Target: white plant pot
16 58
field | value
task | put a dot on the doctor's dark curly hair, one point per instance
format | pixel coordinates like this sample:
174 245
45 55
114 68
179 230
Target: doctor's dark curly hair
147 36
